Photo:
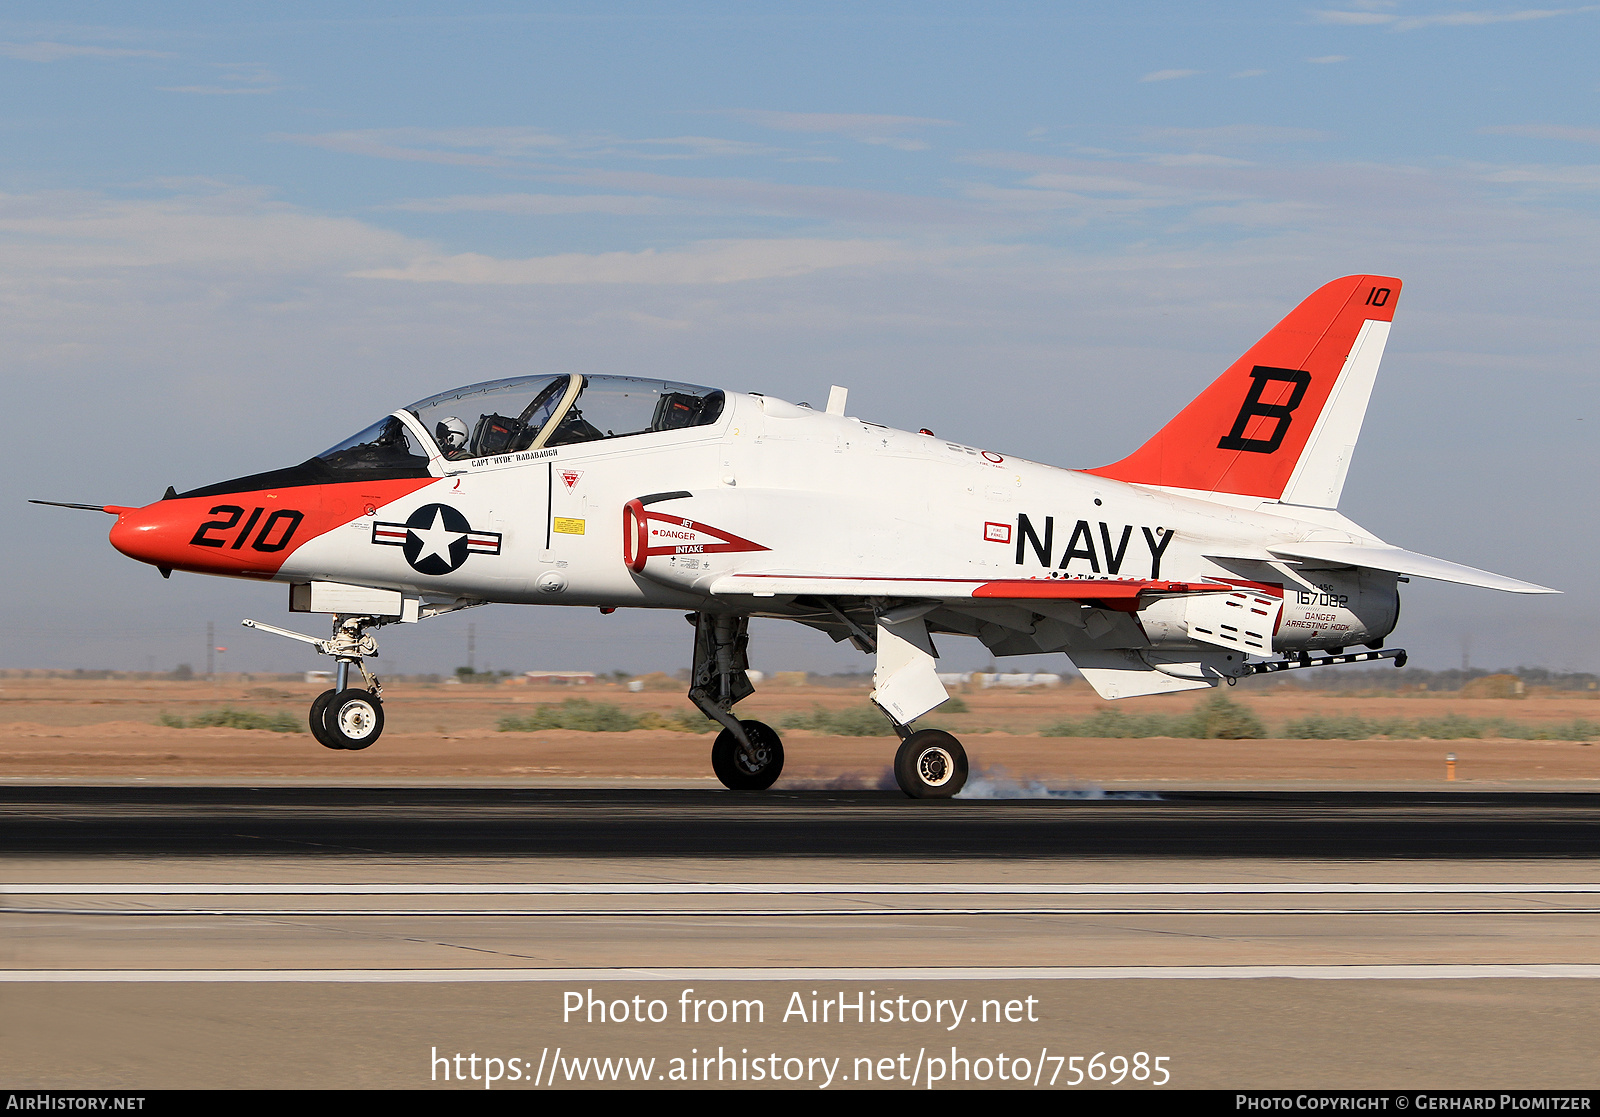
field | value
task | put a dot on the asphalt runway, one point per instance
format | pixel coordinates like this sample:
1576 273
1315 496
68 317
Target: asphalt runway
456 822
280 936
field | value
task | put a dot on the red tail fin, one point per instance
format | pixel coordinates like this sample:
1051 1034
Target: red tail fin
1250 429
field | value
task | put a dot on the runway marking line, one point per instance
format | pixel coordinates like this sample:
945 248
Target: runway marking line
764 913
323 889
841 974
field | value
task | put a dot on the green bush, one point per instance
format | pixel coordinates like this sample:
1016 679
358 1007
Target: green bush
690 721
1579 729
602 717
229 718
853 721
1342 727
1116 723
1451 727
573 713
1218 717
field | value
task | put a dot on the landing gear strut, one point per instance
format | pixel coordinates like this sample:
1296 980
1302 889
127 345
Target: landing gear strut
747 755
345 717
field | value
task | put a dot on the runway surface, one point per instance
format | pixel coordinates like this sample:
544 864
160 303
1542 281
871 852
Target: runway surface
279 936
458 822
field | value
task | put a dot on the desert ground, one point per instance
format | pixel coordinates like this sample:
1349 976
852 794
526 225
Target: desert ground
108 730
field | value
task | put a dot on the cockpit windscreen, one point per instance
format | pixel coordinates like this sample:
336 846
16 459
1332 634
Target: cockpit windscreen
385 449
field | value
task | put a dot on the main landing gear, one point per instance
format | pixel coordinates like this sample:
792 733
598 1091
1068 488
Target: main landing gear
747 755
345 717
931 764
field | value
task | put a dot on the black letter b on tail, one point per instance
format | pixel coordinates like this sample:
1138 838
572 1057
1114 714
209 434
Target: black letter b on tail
1254 408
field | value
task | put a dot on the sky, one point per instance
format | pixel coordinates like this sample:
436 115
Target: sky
231 235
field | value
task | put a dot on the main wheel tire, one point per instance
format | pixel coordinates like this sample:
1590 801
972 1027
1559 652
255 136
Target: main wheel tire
318 720
931 764
740 772
353 718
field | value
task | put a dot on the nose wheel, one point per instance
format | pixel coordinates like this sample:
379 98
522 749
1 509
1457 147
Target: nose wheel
348 719
319 728
352 719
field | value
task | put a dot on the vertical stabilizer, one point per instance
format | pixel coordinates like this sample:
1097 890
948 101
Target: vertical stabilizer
1282 422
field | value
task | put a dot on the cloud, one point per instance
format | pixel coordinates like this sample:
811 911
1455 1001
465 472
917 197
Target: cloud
215 90
713 194
709 262
503 147
382 145
98 238
1445 19
1544 180
1545 132
1354 19
868 128
247 77
1170 75
1234 135
1407 203
55 52
540 205
1194 159
688 147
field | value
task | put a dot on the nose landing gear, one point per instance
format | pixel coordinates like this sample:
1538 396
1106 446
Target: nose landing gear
345 717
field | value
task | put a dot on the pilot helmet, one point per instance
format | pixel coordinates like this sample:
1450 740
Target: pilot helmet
451 433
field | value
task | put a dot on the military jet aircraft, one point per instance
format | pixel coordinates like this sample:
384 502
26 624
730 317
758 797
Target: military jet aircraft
1213 552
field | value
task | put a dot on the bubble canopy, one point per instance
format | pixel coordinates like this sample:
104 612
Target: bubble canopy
527 412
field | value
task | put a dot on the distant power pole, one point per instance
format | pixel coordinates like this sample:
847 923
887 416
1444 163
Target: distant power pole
1466 652
211 646
472 648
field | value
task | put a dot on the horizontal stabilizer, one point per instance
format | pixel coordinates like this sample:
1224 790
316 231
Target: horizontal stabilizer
1398 561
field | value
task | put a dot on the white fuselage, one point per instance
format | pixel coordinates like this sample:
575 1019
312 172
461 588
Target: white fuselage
825 495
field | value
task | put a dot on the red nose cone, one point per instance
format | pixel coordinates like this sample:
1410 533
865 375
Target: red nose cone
244 534
158 533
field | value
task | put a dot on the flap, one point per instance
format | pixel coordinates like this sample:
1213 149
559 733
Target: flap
1126 594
